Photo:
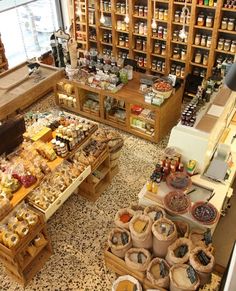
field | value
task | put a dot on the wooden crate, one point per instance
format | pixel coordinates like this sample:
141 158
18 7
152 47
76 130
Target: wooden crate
119 266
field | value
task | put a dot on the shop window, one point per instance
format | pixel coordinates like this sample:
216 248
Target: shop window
26 27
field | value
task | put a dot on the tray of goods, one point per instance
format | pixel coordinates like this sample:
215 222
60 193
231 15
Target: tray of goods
58 186
162 87
205 212
176 202
179 181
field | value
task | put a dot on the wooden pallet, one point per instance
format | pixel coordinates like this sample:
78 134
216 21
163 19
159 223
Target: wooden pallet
119 266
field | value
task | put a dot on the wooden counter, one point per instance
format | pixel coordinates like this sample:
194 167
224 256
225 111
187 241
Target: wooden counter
26 92
166 115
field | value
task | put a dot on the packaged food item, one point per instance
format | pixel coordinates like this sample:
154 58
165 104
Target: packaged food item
39 240
158 273
203 262
138 259
154 212
183 278
119 240
164 234
141 231
179 251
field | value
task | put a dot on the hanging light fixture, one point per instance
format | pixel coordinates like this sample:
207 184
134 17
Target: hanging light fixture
154 23
185 13
102 18
127 13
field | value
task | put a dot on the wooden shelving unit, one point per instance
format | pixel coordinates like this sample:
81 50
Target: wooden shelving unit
165 116
3 59
132 52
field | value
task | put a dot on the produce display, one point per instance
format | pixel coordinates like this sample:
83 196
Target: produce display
168 263
179 181
17 225
176 202
205 212
163 87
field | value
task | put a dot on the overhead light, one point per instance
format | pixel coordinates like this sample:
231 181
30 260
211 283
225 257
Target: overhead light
127 13
102 18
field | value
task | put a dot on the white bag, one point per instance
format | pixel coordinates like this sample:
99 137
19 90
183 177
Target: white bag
128 278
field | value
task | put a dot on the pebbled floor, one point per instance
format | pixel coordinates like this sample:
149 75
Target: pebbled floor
79 228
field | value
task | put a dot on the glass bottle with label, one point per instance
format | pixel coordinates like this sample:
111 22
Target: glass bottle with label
203 40
227 45
220 44
209 21
208 44
231 24
201 19
224 23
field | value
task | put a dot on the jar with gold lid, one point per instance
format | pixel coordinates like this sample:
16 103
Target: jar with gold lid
176 53
224 23
201 19
163 49
161 14
183 54
165 14
220 44
175 35
209 21
227 45
233 47
203 40
157 48
165 33
198 57
231 24
177 16
197 40
208 43
205 59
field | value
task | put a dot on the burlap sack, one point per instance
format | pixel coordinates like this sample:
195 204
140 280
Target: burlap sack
161 240
143 239
173 257
161 281
203 271
182 228
115 285
137 208
119 213
179 280
197 237
120 249
131 259
154 211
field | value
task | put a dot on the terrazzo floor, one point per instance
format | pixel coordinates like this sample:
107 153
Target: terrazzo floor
79 228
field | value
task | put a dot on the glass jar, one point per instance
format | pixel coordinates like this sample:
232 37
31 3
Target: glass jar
136 9
161 14
145 12
209 21
231 24
145 29
154 32
182 73
141 28
183 54
197 40
201 19
140 61
188 18
177 16
165 14
176 53
127 41
119 25
198 58
203 40
117 7
122 8
165 33
156 13
145 62
138 44
181 19
200 2
163 66
160 32
157 48
136 28
144 45
159 66
140 11
163 49
154 65
220 44
121 41
178 71
206 2
173 69
224 23
208 44
211 3
175 35
227 45
233 47
205 59
123 26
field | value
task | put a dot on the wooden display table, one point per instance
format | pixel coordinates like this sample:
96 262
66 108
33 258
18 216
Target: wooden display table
166 115
28 91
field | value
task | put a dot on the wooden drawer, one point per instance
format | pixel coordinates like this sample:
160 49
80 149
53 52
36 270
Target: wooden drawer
64 196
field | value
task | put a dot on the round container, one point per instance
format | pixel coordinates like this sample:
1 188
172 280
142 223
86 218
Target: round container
203 40
205 213
227 45
209 21
224 23
231 24
176 202
220 44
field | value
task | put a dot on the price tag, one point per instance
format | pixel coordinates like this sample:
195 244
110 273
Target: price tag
140 258
124 238
170 230
163 270
192 275
207 237
182 251
158 215
203 258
